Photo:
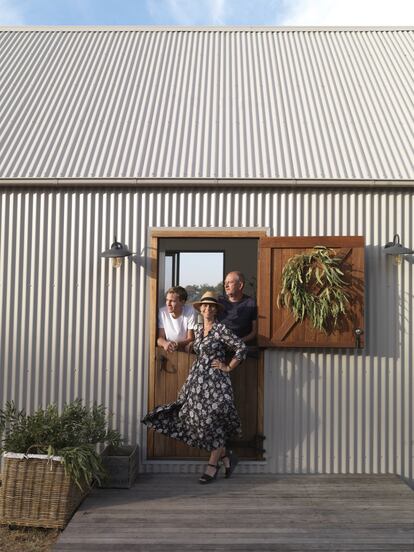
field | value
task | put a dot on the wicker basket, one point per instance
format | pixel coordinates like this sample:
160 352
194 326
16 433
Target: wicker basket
35 492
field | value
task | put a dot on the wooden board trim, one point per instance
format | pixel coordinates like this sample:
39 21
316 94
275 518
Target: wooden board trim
153 256
207 233
311 241
263 303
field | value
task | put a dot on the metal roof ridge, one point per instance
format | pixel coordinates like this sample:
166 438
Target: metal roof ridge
192 181
192 28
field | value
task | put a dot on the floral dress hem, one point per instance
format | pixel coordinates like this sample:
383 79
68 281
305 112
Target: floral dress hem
204 415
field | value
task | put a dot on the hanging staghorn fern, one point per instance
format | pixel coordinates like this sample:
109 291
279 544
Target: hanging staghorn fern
313 287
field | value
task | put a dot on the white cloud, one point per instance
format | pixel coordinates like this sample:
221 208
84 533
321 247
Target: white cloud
218 10
283 12
349 12
215 12
187 12
10 13
211 12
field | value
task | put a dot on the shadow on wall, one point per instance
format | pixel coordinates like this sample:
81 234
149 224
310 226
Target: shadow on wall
290 416
386 313
325 408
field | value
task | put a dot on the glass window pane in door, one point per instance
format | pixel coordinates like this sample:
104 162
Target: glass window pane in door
201 271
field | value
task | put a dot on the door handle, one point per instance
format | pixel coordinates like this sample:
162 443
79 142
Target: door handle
358 332
163 364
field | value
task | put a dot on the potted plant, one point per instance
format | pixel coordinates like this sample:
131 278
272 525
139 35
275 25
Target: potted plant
50 461
121 466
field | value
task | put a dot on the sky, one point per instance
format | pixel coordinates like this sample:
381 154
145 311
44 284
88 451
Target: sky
208 12
212 268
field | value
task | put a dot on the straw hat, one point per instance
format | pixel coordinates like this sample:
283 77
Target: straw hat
209 298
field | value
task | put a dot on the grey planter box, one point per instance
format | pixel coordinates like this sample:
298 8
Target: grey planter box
121 463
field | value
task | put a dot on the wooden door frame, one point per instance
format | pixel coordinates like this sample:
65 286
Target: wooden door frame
155 234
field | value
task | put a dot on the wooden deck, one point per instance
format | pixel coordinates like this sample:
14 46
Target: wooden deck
257 513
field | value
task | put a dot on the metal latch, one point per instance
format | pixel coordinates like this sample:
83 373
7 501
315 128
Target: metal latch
358 332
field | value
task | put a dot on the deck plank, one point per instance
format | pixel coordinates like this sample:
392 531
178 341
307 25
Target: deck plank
248 512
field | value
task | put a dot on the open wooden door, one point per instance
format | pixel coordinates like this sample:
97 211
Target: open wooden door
168 372
171 372
277 326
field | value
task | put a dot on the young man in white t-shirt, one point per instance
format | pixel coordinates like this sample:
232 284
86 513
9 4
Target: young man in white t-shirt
176 321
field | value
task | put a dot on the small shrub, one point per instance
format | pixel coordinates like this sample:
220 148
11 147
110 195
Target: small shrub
72 434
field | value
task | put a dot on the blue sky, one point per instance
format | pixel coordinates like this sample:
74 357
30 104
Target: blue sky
207 12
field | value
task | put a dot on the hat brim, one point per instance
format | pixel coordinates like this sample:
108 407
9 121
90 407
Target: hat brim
197 304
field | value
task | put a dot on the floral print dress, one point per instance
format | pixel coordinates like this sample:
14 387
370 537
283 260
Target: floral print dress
204 414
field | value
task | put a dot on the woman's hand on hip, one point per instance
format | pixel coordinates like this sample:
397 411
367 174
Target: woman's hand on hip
219 365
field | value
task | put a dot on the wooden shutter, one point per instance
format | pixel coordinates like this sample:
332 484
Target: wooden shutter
277 326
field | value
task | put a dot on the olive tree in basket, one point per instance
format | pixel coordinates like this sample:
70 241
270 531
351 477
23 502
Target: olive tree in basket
57 452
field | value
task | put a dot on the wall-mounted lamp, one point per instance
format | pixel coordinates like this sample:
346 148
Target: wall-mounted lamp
117 252
395 248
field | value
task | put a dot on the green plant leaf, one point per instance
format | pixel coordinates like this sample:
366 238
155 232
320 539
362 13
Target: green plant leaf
300 273
72 434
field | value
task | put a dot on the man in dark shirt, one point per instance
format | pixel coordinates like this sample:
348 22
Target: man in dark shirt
240 310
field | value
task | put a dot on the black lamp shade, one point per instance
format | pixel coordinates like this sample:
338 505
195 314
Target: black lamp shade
395 247
117 250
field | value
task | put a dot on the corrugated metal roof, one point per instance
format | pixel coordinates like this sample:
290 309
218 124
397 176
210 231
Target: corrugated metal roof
207 103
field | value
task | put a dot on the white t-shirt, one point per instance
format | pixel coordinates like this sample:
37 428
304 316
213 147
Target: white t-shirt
176 328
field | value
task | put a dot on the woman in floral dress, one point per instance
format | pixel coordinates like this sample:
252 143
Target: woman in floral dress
204 414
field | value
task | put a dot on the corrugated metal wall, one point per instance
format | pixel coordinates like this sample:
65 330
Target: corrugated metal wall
71 326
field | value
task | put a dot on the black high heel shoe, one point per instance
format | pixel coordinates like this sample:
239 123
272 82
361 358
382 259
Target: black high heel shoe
233 461
206 478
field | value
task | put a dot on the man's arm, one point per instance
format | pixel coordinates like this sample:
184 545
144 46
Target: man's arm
162 341
252 335
183 344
